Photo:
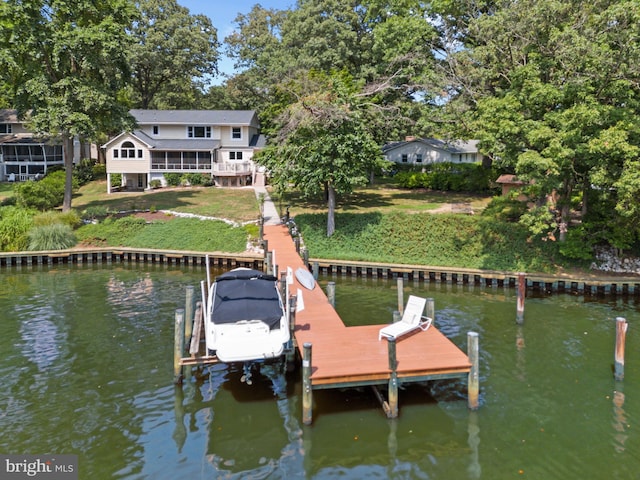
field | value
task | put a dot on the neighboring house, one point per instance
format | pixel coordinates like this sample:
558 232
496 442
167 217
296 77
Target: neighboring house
219 143
23 155
423 151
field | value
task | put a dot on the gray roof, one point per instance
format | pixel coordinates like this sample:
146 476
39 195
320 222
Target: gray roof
195 117
9 116
258 141
455 146
185 144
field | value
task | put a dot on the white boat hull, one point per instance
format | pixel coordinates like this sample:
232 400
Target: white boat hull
232 331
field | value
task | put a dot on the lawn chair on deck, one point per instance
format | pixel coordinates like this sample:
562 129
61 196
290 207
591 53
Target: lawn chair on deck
411 320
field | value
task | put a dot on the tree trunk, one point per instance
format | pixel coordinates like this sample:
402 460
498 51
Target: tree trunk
565 211
331 214
68 168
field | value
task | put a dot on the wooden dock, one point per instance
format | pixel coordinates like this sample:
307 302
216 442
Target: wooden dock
354 356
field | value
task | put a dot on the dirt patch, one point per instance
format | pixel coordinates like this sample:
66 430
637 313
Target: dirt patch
154 216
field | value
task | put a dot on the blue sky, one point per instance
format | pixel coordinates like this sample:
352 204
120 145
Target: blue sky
223 12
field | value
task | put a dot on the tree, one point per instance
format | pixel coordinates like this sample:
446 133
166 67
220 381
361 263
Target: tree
551 90
324 144
70 62
389 45
171 50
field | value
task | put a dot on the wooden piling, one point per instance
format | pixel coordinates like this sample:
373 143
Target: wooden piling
621 335
474 375
331 293
430 309
269 263
198 325
178 346
400 283
305 257
522 288
188 312
307 391
315 270
393 379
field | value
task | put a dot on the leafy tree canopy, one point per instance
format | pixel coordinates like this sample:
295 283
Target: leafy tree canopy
172 55
324 144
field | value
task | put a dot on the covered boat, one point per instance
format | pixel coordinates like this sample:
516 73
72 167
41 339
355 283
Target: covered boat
246 320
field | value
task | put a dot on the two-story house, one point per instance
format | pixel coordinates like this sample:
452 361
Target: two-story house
422 151
220 143
23 155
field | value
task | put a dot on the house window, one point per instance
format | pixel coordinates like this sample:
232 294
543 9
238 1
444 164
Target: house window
127 150
139 153
115 153
156 129
405 158
236 133
418 158
235 155
5 128
198 132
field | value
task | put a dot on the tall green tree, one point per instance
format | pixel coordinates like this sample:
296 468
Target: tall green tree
324 145
388 44
551 88
66 61
173 53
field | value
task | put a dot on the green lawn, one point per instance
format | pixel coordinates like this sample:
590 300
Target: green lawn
382 197
239 205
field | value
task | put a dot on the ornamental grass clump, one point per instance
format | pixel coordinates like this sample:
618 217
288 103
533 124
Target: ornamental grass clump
55 236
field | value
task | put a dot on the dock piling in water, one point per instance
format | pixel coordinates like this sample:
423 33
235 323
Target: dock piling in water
178 345
474 375
621 335
331 293
393 379
522 288
307 392
188 312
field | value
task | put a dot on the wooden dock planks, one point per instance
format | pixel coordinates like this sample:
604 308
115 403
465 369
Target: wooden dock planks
344 355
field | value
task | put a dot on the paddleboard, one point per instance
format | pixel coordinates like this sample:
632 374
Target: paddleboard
305 277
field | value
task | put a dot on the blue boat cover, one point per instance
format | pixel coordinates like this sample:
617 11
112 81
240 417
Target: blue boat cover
246 295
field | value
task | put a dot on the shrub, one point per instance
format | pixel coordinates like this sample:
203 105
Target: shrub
90 213
155 183
173 179
51 217
51 237
14 224
83 171
46 194
116 180
456 177
99 171
196 179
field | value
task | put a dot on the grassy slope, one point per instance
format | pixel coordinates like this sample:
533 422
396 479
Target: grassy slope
378 223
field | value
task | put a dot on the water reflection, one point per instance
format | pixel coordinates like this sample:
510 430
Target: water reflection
619 423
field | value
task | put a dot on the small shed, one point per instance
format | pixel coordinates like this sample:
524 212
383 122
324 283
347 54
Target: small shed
510 182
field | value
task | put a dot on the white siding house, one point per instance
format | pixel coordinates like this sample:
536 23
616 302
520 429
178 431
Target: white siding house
422 151
219 143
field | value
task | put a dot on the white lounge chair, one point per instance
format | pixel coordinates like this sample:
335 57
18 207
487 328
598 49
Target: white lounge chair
412 319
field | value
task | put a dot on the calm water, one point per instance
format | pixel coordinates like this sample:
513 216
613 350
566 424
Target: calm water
86 367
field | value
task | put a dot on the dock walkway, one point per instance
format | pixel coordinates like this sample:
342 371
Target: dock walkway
353 356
